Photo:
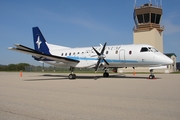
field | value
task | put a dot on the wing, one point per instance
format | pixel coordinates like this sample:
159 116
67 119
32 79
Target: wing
42 56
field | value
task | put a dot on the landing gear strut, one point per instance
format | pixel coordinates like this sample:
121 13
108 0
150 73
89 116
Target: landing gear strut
105 74
72 75
151 76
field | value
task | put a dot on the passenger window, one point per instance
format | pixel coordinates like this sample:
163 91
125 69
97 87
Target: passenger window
69 54
144 49
106 52
74 53
66 54
130 52
116 52
78 53
62 54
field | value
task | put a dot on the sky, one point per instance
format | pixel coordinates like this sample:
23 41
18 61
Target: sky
78 23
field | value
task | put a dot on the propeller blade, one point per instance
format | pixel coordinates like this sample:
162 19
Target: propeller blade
97 65
105 61
102 51
96 51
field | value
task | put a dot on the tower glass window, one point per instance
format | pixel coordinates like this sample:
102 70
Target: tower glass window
152 18
140 18
146 17
158 17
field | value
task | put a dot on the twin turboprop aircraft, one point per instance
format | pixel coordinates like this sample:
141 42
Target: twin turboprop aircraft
116 56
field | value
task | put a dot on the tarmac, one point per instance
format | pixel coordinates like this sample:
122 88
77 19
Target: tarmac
42 96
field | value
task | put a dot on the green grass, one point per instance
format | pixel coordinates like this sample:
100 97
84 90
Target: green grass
177 72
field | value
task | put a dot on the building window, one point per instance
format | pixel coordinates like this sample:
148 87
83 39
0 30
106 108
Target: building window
146 17
140 18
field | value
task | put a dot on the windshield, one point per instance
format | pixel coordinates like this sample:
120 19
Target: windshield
149 49
153 49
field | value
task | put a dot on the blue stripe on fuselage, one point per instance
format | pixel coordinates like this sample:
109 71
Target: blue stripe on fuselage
84 58
108 60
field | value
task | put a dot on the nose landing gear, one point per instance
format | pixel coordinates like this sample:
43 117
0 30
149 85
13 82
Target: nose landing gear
151 76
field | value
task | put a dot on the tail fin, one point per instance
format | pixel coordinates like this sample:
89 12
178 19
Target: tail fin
39 41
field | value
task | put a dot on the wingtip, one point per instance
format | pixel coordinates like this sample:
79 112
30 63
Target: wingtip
10 48
17 44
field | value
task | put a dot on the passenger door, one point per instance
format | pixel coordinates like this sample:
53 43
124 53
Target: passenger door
122 56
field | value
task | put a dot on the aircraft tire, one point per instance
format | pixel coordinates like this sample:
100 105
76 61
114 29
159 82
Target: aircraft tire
72 76
151 76
105 74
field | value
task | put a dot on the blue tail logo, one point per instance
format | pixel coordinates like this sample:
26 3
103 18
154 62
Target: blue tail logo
39 41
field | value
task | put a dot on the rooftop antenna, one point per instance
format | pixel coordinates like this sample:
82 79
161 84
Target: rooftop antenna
161 3
134 3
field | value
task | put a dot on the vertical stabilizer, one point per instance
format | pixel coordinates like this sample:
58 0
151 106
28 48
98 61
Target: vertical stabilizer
39 41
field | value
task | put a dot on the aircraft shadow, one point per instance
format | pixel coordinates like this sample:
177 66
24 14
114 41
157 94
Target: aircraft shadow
96 77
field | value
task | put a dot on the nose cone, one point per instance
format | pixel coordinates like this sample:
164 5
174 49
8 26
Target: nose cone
163 59
168 61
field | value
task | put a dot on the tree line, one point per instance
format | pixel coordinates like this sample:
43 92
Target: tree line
14 67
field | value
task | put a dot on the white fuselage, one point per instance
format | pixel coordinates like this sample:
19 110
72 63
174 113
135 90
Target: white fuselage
140 55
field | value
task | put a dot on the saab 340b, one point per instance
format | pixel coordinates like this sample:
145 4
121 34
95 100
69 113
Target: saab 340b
115 56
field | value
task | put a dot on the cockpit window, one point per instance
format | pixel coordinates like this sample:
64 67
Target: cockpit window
144 49
149 49
152 49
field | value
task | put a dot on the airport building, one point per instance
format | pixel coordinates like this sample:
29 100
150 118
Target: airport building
147 30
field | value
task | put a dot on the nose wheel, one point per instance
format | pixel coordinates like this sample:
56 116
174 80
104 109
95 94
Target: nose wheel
151 76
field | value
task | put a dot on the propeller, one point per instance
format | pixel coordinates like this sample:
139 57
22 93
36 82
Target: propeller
101 56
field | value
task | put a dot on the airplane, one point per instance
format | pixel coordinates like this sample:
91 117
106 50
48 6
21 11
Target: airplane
103 56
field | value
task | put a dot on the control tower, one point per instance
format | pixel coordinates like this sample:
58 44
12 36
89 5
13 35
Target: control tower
147 29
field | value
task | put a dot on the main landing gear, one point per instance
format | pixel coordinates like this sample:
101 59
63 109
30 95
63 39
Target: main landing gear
105 74
72 75
151 76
